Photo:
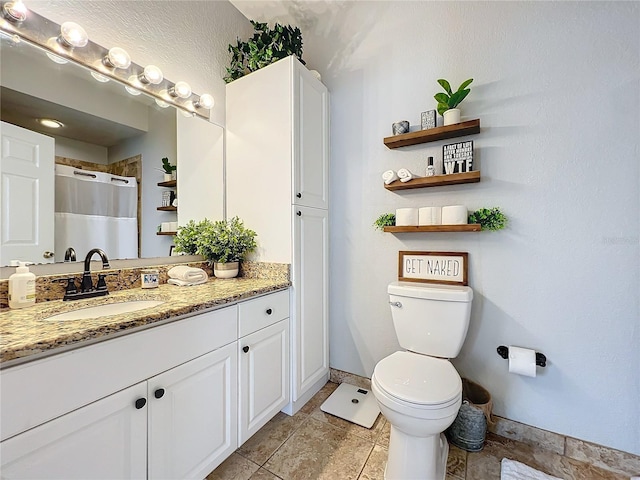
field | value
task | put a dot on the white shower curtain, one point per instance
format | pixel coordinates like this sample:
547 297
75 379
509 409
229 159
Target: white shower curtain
95 210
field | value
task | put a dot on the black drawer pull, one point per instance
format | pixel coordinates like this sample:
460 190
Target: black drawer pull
269 311
159 393
140 403
245 349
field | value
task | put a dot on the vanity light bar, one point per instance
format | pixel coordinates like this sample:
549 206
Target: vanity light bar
70 42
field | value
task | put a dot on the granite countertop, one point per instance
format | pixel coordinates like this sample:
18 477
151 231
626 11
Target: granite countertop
26 334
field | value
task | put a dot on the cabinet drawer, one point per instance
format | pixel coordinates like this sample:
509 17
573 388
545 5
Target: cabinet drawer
262 312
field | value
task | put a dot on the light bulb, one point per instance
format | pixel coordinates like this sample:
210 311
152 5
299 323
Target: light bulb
162 103
205 101
99 77
50 123
117 58
73 35
152 75
181 90
14 11
55 58
133 88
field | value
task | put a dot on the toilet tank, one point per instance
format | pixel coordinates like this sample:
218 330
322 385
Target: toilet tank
429 318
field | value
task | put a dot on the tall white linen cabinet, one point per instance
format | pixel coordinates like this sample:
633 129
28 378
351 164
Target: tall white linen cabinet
277 173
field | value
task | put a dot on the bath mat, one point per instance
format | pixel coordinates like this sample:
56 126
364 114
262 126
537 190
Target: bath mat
512 470
354 404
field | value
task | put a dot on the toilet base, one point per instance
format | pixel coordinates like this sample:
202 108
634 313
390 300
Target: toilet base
416 458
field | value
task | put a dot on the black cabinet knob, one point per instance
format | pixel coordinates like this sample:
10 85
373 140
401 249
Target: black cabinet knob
299 213
159 393
269 311
245 349
299 195
141 402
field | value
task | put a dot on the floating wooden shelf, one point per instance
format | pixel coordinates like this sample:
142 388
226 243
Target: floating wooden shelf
471 227
169 183
169 208
436 181
433 134
166 233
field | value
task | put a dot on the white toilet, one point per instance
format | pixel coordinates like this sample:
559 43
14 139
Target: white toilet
419 391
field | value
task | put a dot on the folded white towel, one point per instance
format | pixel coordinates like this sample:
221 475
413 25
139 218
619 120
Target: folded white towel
405 175
389 176
187 274
184 283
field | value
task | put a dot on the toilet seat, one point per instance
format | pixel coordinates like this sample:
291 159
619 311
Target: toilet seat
423 381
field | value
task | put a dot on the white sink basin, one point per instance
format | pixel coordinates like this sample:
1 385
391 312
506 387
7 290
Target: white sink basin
105 310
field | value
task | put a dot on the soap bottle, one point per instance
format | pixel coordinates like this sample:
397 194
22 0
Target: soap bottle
431 170
22 287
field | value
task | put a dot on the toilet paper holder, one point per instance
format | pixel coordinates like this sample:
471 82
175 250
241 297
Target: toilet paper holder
541 359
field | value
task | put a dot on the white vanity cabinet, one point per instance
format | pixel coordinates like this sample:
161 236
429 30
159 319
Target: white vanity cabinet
263 352
174 413
277 151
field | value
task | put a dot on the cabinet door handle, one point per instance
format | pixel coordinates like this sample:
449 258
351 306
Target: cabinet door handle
159 393
140 403
269 311
299 195
299 213
245 349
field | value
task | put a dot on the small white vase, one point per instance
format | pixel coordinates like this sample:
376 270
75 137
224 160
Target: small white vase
451 116
167 177
226 270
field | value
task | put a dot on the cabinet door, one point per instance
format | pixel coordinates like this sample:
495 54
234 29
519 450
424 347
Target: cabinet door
264 377
311 140
192 416
310 280
106 439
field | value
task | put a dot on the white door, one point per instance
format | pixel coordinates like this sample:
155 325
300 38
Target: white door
310 280
104 440
192 416
311 144
264 377
27 192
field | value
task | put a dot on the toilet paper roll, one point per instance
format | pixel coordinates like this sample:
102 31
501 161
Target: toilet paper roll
426 216
406 217
454 215
165 227
522 361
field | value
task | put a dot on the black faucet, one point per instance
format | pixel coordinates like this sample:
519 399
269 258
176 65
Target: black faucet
70 255
87 283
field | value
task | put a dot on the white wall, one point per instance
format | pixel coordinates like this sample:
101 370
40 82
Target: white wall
556 89
66 147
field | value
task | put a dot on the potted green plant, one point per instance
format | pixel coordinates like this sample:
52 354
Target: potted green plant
449 100
223 243
489 218
265 47
168 169
385 220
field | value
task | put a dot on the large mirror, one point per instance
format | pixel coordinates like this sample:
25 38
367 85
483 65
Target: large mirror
108 164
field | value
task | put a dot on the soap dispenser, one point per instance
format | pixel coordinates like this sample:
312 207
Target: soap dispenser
22 287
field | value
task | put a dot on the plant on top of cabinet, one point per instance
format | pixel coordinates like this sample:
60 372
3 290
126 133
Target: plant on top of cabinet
265 47
447 102
385 220
223 243
489 218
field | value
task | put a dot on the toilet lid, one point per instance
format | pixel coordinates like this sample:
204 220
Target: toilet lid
420 379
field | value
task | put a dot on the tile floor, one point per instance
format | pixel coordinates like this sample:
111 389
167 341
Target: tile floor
314 445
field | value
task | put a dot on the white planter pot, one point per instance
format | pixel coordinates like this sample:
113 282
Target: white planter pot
226 270
451 116
167 177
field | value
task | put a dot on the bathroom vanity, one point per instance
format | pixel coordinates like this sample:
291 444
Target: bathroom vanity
167 392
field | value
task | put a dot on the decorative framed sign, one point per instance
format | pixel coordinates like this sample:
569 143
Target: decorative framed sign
428 119
457 157
433 267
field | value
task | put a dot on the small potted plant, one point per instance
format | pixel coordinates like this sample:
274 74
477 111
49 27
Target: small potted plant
222 243
448 101
489 218
385 220
265 47
168 169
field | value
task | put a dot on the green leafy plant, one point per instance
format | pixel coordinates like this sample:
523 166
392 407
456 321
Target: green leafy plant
385 220
166 166
450 99
265 47
489 218
219 241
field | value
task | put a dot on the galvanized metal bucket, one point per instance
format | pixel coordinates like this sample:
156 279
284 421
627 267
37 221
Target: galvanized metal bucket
469 429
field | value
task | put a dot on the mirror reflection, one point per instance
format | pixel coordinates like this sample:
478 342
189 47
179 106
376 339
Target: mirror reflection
92 182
